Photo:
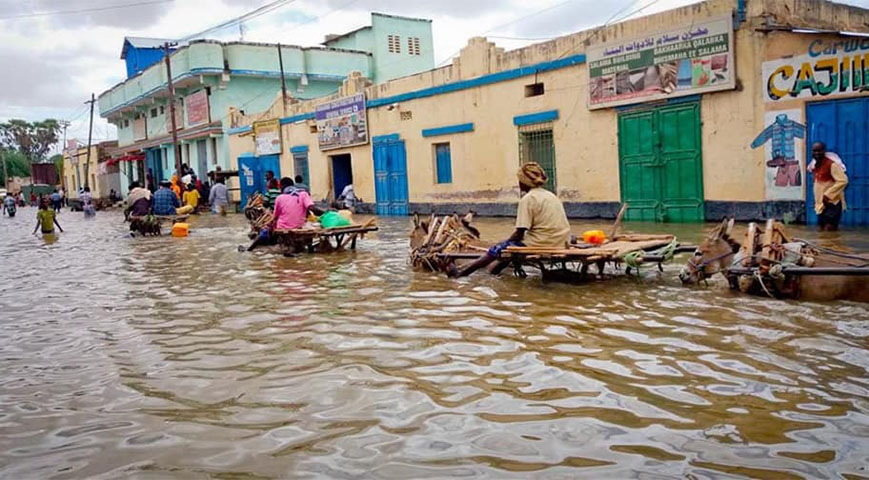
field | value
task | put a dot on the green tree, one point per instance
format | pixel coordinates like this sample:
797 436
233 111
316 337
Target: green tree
57 160
31 139
16 164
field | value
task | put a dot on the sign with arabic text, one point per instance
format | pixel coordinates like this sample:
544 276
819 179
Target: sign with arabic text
342 123
685 61
267 137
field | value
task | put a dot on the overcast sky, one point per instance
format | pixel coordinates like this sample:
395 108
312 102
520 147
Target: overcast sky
52 61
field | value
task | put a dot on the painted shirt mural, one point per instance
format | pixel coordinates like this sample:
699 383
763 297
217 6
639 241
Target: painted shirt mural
784 177
827 68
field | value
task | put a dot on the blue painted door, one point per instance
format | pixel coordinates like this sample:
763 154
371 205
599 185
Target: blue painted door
247 176
390 171
342 173
265 163
843 125
154 163
381 179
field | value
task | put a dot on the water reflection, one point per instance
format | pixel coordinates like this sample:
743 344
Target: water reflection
184 357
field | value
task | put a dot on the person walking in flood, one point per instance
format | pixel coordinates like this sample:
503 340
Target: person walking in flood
56 201
829 189
540 222
87 204
47 219
9 207
218 197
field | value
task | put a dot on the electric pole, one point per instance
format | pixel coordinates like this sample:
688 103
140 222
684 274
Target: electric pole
64 124
175 146
5 173
283 81
90 138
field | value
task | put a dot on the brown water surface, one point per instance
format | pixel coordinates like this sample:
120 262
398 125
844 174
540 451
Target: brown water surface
164 357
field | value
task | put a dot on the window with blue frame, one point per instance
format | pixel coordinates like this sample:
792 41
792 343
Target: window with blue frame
443 163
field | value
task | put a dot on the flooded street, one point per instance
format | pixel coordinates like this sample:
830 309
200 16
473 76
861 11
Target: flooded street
160 357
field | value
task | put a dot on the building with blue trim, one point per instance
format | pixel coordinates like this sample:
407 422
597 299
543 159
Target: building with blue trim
658 112
214 81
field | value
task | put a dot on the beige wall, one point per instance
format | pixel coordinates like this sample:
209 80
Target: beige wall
586 142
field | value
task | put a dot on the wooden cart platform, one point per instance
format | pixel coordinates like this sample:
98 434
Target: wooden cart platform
321 239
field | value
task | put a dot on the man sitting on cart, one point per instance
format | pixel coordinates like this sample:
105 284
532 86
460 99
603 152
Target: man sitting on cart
540 222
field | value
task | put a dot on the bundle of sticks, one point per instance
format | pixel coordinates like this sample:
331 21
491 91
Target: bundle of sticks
444 234
257 213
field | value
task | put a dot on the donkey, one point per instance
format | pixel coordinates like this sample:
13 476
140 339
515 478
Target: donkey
716 253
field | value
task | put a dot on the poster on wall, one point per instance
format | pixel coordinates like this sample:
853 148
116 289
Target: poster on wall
267 137
693 59
342 123
827 68
783 139
140 130
197 108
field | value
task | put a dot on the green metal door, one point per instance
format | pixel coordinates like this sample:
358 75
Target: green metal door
660 164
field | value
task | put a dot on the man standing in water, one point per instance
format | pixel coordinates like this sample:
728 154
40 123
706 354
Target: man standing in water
830 183
540 222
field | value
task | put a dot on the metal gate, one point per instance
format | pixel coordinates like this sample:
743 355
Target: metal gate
536 145
390 175
660 163
843 125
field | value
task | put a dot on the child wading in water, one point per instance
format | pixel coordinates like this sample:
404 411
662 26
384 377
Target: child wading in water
46 218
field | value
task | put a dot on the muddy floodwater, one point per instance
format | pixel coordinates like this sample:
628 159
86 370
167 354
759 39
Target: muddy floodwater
167 357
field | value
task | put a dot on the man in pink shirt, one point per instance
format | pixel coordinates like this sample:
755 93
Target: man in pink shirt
292 206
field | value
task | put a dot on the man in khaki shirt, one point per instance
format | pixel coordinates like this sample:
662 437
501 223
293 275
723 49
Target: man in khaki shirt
540 222
830 183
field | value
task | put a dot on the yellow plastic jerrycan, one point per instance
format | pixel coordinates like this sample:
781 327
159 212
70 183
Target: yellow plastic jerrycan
180 229
594 237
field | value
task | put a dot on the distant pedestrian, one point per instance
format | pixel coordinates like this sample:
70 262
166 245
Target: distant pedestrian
33 199
300 184
9 205
87 202
56 200
47 219
219 197
191 198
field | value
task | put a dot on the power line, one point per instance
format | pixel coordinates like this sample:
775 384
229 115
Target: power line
84 10
257 12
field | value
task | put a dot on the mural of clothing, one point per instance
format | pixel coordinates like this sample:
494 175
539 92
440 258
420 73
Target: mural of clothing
782 133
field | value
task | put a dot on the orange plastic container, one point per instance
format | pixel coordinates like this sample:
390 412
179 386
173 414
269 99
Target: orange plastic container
595 237
180 230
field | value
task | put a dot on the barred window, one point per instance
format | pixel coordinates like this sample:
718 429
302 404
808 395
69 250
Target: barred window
413 45
393 43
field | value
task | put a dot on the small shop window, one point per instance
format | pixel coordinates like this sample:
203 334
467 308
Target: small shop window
154 112
534 90
443 163
162 109
126 124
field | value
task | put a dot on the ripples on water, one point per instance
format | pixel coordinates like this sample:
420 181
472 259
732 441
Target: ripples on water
183 357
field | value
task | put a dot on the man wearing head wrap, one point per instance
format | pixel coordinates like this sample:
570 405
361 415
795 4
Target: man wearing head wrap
540 221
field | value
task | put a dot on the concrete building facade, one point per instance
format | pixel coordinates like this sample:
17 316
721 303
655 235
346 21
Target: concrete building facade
213 79
99 172
690 136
